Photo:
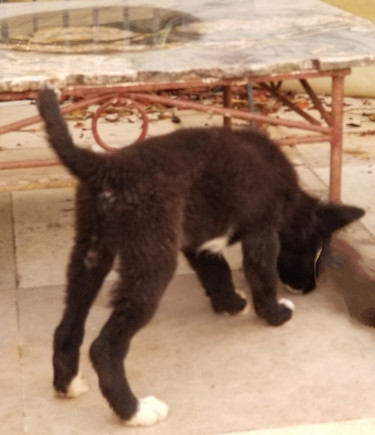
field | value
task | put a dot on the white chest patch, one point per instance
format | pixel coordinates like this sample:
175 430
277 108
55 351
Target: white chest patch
215 245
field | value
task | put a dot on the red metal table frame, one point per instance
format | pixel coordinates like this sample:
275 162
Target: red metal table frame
327 129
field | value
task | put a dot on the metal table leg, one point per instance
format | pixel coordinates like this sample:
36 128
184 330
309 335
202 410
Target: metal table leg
338 82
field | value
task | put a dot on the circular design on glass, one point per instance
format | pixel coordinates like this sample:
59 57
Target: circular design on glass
98 30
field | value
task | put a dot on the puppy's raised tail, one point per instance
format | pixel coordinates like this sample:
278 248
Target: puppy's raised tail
82 163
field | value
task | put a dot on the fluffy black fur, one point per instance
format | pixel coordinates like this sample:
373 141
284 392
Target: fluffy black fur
150 200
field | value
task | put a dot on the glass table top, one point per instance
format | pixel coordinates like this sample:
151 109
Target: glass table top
94 30
132 41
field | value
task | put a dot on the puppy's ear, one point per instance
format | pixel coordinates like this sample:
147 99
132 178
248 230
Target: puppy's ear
332 217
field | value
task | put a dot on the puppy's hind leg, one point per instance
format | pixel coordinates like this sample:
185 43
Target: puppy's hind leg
143 280
84 282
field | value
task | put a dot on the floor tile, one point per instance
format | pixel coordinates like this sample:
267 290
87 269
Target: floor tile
11 378
357 184
32 135
360 427
201 364
43 222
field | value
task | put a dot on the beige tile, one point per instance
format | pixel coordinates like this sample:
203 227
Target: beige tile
190 118
360 427
358 185
43 221
219 374
32 135
7 260
11 379
40 310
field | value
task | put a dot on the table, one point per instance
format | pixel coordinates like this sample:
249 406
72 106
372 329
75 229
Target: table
107 48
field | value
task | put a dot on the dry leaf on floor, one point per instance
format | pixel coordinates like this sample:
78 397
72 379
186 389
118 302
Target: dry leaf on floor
78 115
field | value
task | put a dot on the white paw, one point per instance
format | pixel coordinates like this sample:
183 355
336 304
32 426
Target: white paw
288 303
150 411
293 290
76 388
243 295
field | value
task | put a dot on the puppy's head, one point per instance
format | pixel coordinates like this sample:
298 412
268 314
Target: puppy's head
302 242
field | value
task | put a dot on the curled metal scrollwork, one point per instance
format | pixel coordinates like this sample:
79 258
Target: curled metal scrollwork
117 100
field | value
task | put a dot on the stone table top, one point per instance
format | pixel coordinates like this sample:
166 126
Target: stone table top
130 41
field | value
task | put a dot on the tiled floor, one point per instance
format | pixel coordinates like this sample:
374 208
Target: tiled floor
219 374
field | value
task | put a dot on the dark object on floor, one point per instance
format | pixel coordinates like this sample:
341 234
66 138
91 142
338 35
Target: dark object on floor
345 265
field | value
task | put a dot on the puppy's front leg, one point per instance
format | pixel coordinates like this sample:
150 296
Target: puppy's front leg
260 252
215 275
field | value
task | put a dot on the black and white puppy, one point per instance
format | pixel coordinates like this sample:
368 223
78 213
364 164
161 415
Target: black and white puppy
195 191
